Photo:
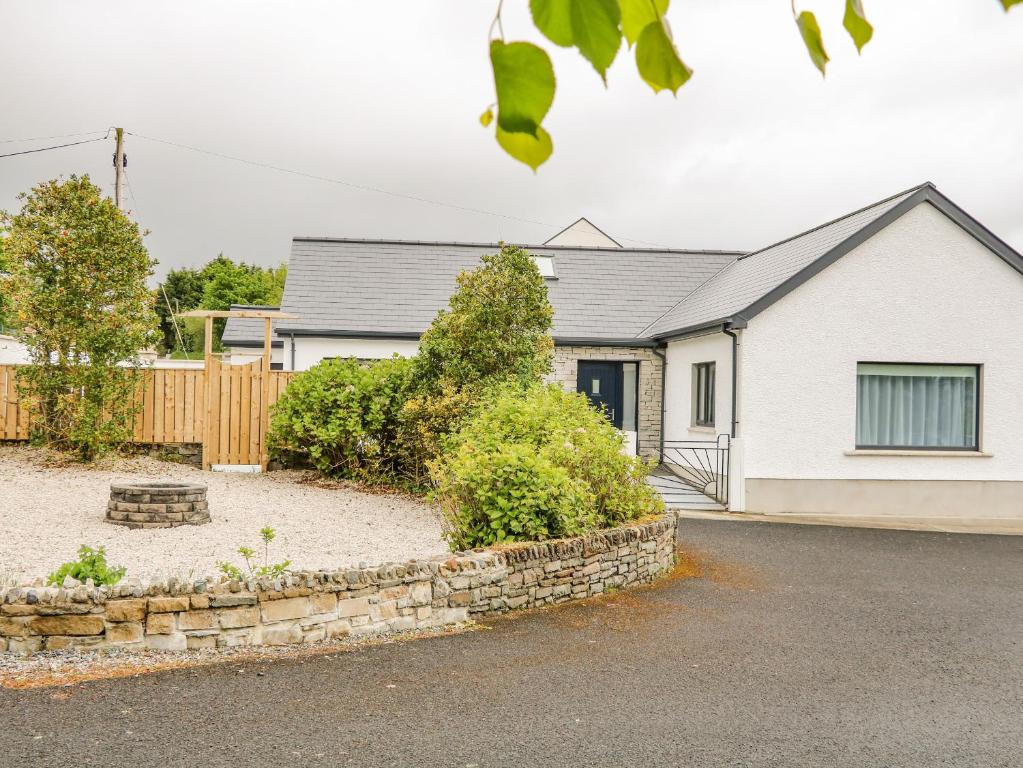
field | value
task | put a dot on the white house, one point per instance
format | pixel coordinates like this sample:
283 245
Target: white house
872 365
12 351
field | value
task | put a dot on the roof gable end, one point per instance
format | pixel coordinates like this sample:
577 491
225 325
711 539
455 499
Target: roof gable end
708 305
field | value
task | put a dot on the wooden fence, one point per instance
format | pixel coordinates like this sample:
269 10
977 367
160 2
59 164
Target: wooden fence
231 424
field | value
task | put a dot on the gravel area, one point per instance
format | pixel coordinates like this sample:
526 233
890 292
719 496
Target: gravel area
48 509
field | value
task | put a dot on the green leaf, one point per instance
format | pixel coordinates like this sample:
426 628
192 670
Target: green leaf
487 117
596 33
637 14
856 23
1007 4
524 79
554 19
811 33
533 151
657 60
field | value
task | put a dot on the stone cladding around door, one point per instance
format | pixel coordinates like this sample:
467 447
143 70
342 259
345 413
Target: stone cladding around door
565 369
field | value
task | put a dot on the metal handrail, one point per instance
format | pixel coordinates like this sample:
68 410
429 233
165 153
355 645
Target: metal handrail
701 465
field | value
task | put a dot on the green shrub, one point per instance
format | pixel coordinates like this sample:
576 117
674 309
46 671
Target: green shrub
497 327
256 571
342 416
91 564
537 463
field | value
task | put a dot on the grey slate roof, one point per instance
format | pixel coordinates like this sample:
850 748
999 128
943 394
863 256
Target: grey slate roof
395 288
750 278
247 331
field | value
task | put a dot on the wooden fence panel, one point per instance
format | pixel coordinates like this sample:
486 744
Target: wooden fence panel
13 413
173 409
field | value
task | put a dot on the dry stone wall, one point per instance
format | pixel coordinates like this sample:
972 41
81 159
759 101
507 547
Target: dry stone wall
310 606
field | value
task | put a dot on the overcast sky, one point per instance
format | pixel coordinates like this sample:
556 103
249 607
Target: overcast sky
756 147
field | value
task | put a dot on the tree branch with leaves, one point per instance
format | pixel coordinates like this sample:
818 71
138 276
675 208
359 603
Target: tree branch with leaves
524 80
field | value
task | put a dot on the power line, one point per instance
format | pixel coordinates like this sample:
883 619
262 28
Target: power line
55 146
342 182
57 136
367 188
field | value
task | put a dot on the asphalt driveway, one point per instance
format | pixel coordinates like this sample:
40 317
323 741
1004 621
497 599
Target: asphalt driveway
798 645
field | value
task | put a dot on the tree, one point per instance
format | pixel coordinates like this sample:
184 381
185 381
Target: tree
217 285
228 283
498 327
180 291
524 76
78 297
496 330
4 320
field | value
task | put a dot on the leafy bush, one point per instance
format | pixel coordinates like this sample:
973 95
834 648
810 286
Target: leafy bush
91 564
267 569
75 288
537 463
496 329
386 421
342 416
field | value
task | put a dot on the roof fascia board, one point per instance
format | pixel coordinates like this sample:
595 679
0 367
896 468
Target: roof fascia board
703 329
561 341
978 231
926 194
252 344
817 266
570 341
335 334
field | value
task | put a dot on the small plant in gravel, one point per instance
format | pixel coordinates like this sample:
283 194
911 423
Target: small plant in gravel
91 564
256 571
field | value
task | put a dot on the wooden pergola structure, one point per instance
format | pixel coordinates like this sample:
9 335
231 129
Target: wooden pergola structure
267 316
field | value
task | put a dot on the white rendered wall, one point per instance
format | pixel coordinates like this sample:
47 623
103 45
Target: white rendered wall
311 350
583 234
678 386
922 290
246 355
12 351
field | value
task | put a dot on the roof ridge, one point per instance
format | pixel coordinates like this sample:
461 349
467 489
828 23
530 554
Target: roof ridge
858 211
464 244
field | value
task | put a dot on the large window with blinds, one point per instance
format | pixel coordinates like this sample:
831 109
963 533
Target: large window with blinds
917 406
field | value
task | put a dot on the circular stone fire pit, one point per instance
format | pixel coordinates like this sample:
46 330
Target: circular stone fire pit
157 505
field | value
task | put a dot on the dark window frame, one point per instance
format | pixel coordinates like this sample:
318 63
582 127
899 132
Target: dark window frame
977 421
704 392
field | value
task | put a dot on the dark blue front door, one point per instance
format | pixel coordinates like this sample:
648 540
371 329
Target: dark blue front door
602 384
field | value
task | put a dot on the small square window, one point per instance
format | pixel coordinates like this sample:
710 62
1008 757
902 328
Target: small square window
703 394
545 264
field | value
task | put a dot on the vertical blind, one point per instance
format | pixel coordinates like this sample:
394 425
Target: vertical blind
704 394
916 406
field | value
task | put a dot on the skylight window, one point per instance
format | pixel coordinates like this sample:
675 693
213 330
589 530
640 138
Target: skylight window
546 265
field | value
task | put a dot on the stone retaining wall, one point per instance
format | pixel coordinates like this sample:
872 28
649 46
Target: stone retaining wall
309 606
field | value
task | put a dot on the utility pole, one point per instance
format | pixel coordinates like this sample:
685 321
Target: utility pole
119 168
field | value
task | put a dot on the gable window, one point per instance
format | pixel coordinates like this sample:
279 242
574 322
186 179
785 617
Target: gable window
917 406
703 394
546 266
